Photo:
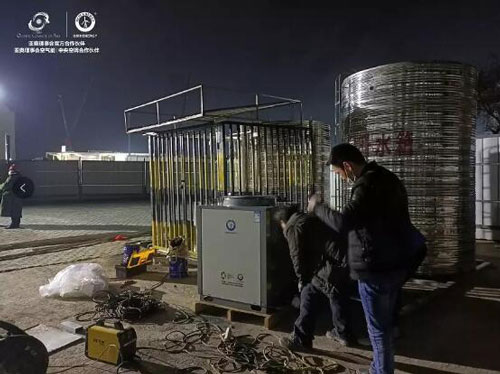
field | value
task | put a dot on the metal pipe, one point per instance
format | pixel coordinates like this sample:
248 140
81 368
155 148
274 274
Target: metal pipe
161 190
266 166
278 163
165 97
183 186
213 166
231 157
189 191
205 167
240 162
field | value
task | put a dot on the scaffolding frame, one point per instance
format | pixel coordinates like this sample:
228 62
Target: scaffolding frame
200 165
198 158
205 114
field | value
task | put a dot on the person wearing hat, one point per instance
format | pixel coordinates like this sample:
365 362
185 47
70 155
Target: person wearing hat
11 205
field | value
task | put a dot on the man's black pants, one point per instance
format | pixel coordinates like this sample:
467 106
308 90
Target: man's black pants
311 299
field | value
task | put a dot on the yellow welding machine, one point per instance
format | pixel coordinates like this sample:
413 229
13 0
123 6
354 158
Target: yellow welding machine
112 344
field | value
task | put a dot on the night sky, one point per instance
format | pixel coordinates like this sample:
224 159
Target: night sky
153 48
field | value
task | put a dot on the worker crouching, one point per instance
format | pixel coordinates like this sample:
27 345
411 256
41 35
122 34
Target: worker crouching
319 259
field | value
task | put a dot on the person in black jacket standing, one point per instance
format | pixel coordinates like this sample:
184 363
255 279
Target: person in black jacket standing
379 234
319 259
10 204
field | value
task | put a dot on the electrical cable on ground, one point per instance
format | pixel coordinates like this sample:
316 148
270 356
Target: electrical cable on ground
125 306
232 354
224 352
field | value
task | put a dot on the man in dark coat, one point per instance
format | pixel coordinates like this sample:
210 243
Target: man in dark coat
11 205
319 259
381 243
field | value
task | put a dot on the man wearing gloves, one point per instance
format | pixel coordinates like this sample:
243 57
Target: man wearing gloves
319 259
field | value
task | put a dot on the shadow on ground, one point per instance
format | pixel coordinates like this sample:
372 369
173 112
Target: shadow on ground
461 327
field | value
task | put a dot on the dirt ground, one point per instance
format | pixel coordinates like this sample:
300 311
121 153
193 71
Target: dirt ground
456 332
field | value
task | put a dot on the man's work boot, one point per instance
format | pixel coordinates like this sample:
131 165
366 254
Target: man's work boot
14 224
294 344
342 339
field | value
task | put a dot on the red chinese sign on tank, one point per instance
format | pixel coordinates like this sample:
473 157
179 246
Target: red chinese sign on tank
404 143
385 145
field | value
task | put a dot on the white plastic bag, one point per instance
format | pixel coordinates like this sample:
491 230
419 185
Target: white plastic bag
75 281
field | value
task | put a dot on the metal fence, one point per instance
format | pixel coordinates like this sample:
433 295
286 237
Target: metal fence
85 180
201 165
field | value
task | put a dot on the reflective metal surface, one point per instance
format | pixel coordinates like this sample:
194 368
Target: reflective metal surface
236 201
199 166
418 120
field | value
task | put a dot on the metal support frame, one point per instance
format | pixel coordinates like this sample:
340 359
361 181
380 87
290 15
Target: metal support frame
204 115
199 166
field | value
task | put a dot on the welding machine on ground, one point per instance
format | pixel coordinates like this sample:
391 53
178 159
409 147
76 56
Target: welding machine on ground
111 344
243 258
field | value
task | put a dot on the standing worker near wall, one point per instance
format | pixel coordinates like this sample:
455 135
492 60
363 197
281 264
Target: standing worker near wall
11 205
382 243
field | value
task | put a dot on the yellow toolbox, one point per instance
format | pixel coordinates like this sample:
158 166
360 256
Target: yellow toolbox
136 257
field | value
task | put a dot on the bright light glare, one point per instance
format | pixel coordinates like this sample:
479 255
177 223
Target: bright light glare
2 93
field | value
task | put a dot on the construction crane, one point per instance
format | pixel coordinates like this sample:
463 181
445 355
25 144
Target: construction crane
68 130
67 140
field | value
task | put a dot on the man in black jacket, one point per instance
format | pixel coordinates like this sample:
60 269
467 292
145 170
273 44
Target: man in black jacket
319 259
380 240
10 204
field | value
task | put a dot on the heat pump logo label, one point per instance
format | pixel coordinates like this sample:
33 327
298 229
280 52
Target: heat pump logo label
230 279
230 226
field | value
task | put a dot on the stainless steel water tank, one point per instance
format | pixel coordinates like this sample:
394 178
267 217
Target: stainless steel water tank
418 120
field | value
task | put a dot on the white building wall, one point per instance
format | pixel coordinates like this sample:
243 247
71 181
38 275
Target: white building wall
488 188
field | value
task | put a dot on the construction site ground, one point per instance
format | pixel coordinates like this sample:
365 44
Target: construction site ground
456 331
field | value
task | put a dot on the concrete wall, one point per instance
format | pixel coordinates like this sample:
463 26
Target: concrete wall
7 126
85 180
113 178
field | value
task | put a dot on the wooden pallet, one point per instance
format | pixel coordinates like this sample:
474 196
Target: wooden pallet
234 314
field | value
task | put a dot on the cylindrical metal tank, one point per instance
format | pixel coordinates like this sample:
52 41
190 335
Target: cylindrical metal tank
418 120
